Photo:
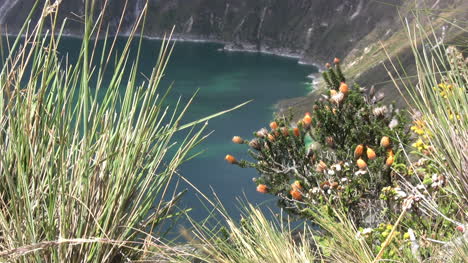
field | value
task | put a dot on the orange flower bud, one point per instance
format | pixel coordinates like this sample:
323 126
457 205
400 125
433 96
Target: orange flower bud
296 132
274 125
358 151
390 152
230 159
371 154
336 60
285 131
344 88
296 195
389 161
307 120
328 65
296 185
237 139
361 164
262 188
385 142
271 137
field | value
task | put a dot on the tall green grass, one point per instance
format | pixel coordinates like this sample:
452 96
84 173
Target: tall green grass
439 97
255 239
84 179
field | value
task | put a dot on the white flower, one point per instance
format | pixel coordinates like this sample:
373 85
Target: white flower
420 187
262 133
315 190
393 123
401 194
366 231
360 172
344 180
330 172
337 167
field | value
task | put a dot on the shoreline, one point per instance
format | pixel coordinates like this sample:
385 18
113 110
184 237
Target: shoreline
227 46
280 105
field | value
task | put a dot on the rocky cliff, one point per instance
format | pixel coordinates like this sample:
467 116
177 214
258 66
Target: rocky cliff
312 30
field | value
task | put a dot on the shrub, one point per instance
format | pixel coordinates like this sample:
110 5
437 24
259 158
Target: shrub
338 155
349 159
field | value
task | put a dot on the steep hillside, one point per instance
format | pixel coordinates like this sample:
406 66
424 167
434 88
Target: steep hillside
312 30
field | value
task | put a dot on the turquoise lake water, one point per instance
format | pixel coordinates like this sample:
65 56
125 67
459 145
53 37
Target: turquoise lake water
224 80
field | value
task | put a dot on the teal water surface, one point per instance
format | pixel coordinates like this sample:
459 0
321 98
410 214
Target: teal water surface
227 79
224 80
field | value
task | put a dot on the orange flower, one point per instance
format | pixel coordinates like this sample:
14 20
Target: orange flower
237 139
361 164
274 125
333 92
336 61
296 185
307 120
389 160
358 151
230 159
344 88
390 153
271 137
296 195
371 154
385 142
296 132
262 188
